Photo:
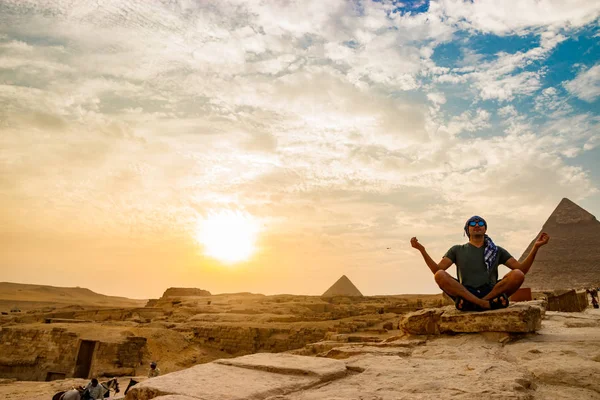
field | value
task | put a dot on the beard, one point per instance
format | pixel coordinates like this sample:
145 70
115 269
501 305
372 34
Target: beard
478 235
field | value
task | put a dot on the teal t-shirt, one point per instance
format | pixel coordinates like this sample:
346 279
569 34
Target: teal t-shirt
470 266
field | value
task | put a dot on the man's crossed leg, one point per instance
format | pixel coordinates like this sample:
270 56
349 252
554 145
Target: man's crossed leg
508 285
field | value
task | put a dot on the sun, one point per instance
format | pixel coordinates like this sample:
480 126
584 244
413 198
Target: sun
229 236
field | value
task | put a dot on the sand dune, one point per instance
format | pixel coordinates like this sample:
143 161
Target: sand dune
26 296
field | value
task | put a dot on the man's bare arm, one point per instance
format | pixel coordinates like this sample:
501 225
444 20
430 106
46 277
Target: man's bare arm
433 266
526 264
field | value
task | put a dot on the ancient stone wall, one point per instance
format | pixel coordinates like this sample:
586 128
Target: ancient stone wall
140 314
33 354
29 354
119 359
247 340
177 292
567 301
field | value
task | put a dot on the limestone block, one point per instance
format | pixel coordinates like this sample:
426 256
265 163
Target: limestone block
518 318
324 369
423 322
343 352
407 378
214 381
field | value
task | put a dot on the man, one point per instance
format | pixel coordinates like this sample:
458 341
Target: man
94 390
478 287
154 371
594 295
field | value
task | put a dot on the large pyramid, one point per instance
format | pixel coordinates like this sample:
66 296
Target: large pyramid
571 260
343 287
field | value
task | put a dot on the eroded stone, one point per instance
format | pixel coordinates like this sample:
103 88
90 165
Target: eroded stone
214 381
343 352
322 368
393 378
518 318
255 376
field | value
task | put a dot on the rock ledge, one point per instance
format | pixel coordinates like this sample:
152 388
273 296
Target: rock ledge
522 317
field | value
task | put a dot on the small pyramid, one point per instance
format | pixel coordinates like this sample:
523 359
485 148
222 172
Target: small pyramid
343 287
571 259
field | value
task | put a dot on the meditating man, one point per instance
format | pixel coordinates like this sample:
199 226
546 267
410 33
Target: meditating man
478 287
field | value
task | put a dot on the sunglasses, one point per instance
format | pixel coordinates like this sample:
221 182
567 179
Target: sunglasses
474 223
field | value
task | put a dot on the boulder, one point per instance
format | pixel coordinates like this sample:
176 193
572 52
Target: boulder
522 317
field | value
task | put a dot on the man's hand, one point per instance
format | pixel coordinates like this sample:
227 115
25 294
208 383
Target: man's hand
414 242
542 240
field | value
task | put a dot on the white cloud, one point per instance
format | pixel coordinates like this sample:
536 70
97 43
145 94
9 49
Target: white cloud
303 113
515 16
552 103
586 84
505 77
506 87
436 97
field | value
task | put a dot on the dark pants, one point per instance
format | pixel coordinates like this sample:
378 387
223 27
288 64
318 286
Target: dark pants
479 292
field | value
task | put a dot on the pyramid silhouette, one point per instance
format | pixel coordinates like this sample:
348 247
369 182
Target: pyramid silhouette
571 259
343 287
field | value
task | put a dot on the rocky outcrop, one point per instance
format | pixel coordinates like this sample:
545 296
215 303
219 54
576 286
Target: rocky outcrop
557 363
256 376
182 292
518 318
560 361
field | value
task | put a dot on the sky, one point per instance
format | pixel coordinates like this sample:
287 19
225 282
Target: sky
339 128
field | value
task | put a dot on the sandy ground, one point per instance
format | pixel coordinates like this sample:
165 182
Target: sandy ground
27 297
45 390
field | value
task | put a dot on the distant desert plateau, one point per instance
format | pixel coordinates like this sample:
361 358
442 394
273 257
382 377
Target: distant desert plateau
30 297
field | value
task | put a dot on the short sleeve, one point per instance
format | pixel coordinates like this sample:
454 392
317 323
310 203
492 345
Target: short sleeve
503 255
451 254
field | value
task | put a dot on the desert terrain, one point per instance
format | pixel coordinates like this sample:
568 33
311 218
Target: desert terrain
251 346
27 297
183 328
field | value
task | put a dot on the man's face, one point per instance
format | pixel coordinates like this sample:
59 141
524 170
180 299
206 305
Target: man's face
478 230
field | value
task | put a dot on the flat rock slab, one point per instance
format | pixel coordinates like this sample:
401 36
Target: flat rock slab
521 317
395 378
343 352
290 364
257 376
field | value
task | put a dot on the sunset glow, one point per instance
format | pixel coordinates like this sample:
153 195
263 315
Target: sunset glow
273 146
229 236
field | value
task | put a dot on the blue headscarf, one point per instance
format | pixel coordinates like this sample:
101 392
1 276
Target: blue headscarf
490 251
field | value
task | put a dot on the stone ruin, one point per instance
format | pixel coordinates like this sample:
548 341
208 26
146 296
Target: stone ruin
571 260
178 292
566 300
183 331
494 354
55 353
175 292
342 287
